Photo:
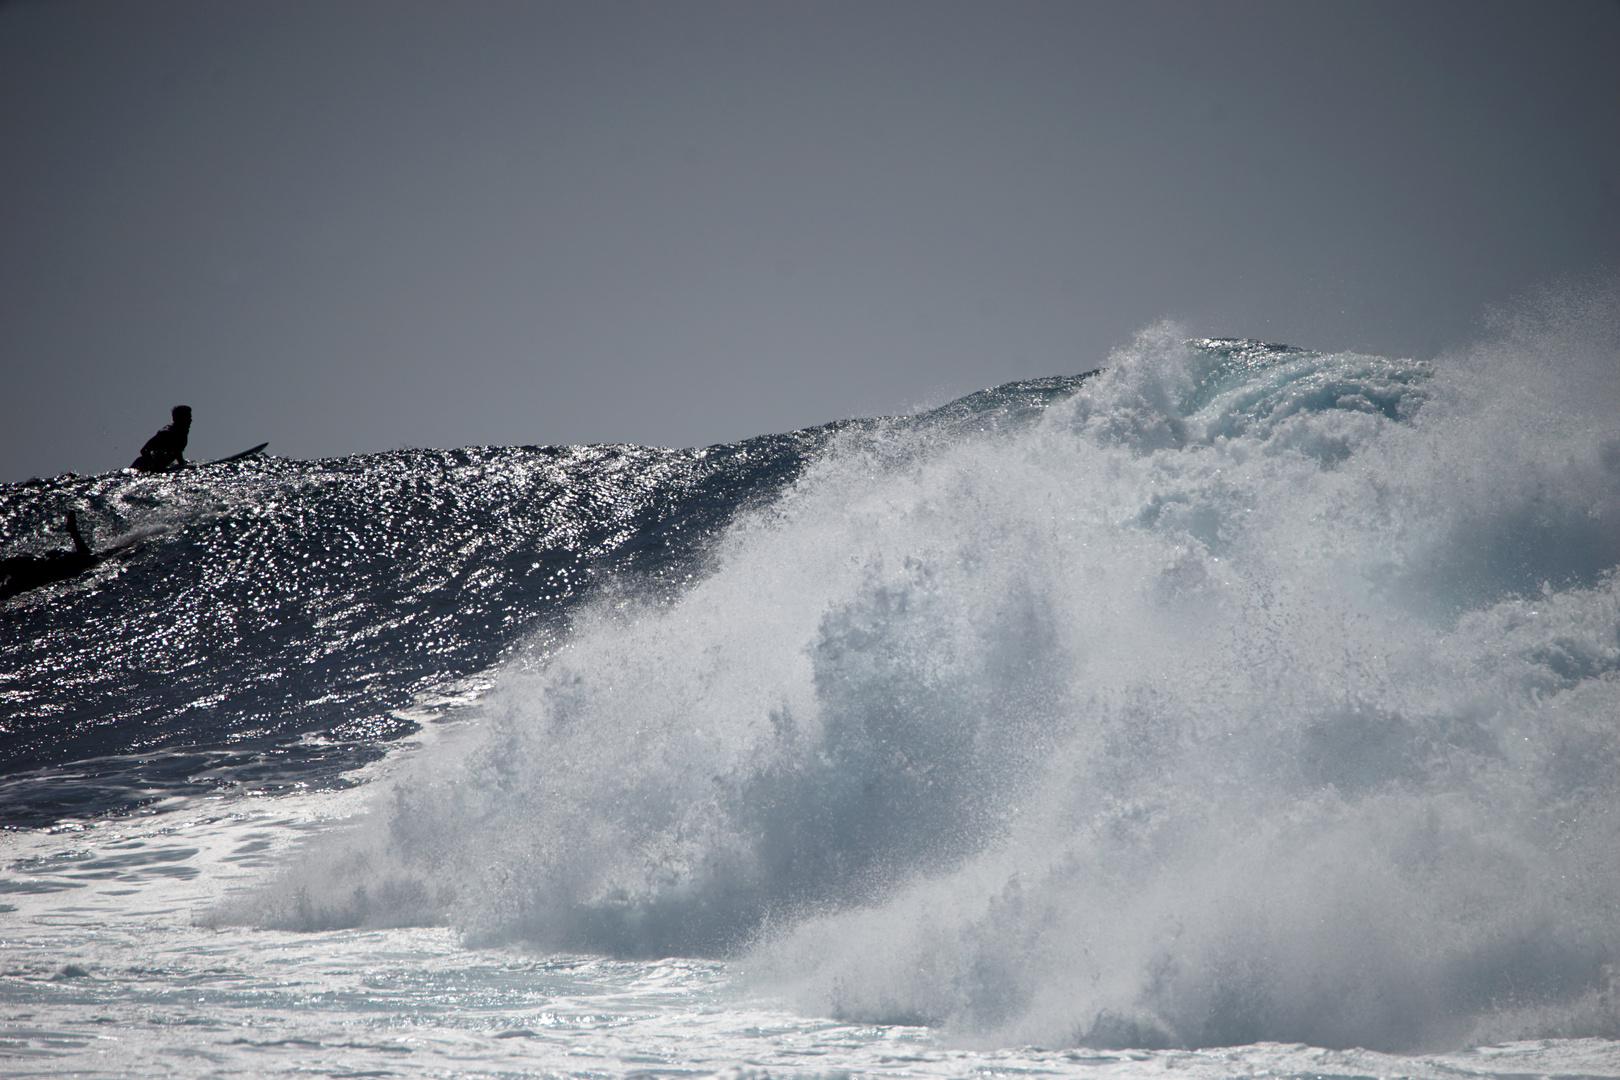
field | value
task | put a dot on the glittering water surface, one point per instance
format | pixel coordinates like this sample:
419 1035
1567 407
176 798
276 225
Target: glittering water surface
267 601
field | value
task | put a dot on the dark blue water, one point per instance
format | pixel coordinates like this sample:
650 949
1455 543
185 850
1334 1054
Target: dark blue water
270 618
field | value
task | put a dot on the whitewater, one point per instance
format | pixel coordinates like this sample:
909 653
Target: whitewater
1234 709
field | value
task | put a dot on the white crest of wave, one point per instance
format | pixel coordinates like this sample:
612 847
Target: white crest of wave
1245 695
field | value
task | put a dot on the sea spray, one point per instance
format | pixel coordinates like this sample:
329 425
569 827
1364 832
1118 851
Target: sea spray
1241 693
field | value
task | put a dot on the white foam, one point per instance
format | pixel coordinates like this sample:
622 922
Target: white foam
1266 701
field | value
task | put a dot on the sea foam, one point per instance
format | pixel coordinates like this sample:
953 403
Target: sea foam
1242 694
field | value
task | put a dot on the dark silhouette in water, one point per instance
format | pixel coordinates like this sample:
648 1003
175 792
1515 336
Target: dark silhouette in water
167 448
20 573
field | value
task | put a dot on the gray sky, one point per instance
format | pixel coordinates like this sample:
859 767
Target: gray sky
354 226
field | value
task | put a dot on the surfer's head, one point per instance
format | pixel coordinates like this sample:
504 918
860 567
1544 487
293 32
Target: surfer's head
181 414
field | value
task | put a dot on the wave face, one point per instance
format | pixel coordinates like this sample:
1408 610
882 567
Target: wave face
271 623
269 619
1237 693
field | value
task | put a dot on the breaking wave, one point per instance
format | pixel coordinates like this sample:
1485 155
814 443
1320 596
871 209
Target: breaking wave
1234 693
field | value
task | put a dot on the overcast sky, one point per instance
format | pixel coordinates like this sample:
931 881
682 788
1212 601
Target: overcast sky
355 226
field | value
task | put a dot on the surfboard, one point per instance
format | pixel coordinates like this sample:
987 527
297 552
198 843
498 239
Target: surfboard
236 457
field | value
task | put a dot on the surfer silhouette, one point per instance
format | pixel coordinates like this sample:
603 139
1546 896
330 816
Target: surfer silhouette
167 448
20 573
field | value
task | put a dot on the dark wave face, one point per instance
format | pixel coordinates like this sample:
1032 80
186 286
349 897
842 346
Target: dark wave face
265 622
268 600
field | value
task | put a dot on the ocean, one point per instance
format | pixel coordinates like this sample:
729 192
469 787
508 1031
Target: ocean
1235 709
